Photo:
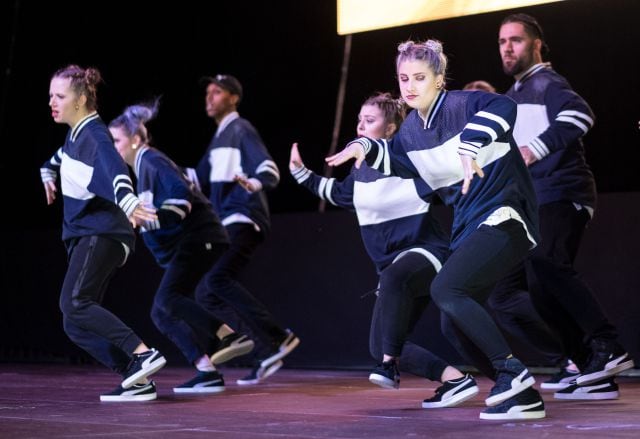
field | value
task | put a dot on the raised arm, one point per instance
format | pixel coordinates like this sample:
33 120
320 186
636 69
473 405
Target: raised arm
338 193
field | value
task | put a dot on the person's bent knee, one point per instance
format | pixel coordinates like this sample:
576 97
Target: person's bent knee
73 308
391 283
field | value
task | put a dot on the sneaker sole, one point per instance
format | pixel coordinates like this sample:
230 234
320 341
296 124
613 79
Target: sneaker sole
554 386
271 370
456 399
513 416
154 366
267 373
232 351
597 376
133 398
383 381
588 396
281 354
502 397
197 390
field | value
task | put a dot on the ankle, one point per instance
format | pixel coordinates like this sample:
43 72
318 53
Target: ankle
223 331
450 373
141 348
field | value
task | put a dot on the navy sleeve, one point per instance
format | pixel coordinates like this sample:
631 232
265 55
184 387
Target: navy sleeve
258 164
570 118
174 204
111 179
491 117
338 193
51 168
387 156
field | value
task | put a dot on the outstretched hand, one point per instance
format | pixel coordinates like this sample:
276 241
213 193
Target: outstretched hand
470 166
354 150
295 161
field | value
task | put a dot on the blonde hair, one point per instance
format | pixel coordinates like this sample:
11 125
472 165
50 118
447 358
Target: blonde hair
132 121
429 51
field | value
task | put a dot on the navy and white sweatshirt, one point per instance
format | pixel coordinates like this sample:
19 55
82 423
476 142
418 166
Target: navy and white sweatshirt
96 188
551 121
393 217
180 207
473 123
237 149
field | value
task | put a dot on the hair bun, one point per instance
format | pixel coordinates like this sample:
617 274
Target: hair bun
434 45
403 47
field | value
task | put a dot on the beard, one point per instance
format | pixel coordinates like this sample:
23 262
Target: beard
520 64
514 68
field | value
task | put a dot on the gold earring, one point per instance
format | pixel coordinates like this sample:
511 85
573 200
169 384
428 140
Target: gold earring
134 146
77 107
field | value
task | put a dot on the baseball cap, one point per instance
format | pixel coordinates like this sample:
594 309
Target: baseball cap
228 82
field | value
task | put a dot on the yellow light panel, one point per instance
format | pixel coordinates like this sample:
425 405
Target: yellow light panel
363 15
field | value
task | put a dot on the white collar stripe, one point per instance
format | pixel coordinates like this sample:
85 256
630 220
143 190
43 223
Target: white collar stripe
80 125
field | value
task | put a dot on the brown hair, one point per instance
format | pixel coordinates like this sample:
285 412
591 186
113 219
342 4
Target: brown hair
394 110
531 27
83 82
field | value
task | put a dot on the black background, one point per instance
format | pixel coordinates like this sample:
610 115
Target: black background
287 55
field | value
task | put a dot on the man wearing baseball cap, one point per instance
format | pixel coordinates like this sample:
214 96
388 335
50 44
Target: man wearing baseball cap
234 173
226 82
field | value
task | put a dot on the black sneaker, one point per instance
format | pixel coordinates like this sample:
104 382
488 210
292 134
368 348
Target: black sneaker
560 380
259 374
138 392
525 405
386 375
452 393
283 349
512 377
608 358
203 382
141 366
605 389
231 346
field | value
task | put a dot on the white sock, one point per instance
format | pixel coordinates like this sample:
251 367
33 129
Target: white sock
203 364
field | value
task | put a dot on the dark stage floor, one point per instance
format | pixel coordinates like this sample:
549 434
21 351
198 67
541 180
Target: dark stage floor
55 401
